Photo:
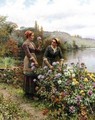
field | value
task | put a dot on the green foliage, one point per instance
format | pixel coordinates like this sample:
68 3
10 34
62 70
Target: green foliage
6 28
74 45
70 92
10 110
12 76
7 62
65 37
12 48
2 49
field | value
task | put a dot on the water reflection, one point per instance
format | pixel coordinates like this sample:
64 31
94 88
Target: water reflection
86 56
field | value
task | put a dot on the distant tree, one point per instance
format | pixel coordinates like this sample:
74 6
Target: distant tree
3 32
36 26
6 28
10 27
74 45
36 29
41 32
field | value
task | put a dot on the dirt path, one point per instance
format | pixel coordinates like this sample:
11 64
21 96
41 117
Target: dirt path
34 113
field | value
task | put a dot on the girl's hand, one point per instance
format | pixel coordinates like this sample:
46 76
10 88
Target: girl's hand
51 67
36 64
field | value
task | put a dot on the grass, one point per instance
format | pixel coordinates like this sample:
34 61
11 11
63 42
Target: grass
22 105
16 98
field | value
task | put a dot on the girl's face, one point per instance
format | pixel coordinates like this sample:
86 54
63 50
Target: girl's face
54 43
31 37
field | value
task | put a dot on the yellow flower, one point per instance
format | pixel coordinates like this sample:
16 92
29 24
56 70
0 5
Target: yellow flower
88 74
93 79
77 82
82 92
74 80
92 75
86 70
85 80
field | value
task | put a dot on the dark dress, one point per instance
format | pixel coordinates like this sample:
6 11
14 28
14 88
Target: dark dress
30 85
53 56
30 78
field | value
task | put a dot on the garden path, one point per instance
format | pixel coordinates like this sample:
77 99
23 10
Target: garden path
34 113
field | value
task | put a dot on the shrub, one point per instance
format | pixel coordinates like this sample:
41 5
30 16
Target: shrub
12 76
69 91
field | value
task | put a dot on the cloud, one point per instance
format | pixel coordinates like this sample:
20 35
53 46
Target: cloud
71 16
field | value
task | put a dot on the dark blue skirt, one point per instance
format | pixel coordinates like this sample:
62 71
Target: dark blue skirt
29 84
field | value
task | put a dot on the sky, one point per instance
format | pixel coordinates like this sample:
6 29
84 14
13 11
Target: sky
76 17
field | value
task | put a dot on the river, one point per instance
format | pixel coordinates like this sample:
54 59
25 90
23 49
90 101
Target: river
86 56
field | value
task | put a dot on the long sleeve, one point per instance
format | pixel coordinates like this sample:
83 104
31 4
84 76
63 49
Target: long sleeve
45 58
26 50
46 52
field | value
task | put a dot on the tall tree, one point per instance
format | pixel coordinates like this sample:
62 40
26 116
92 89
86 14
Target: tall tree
3 32
41 32
36 29
6 28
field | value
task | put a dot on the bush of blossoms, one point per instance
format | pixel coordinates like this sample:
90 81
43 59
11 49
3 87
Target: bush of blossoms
69 91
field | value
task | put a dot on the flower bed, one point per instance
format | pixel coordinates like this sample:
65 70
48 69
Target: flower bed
12 76
70 91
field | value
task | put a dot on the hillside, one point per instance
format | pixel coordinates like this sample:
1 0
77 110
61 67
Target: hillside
87 42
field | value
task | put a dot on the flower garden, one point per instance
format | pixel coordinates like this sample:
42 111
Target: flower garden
69 93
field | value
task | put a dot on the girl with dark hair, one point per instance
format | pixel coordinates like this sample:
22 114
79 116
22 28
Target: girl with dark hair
53 53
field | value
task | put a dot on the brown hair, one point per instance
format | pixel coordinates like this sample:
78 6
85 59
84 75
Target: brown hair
28 33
